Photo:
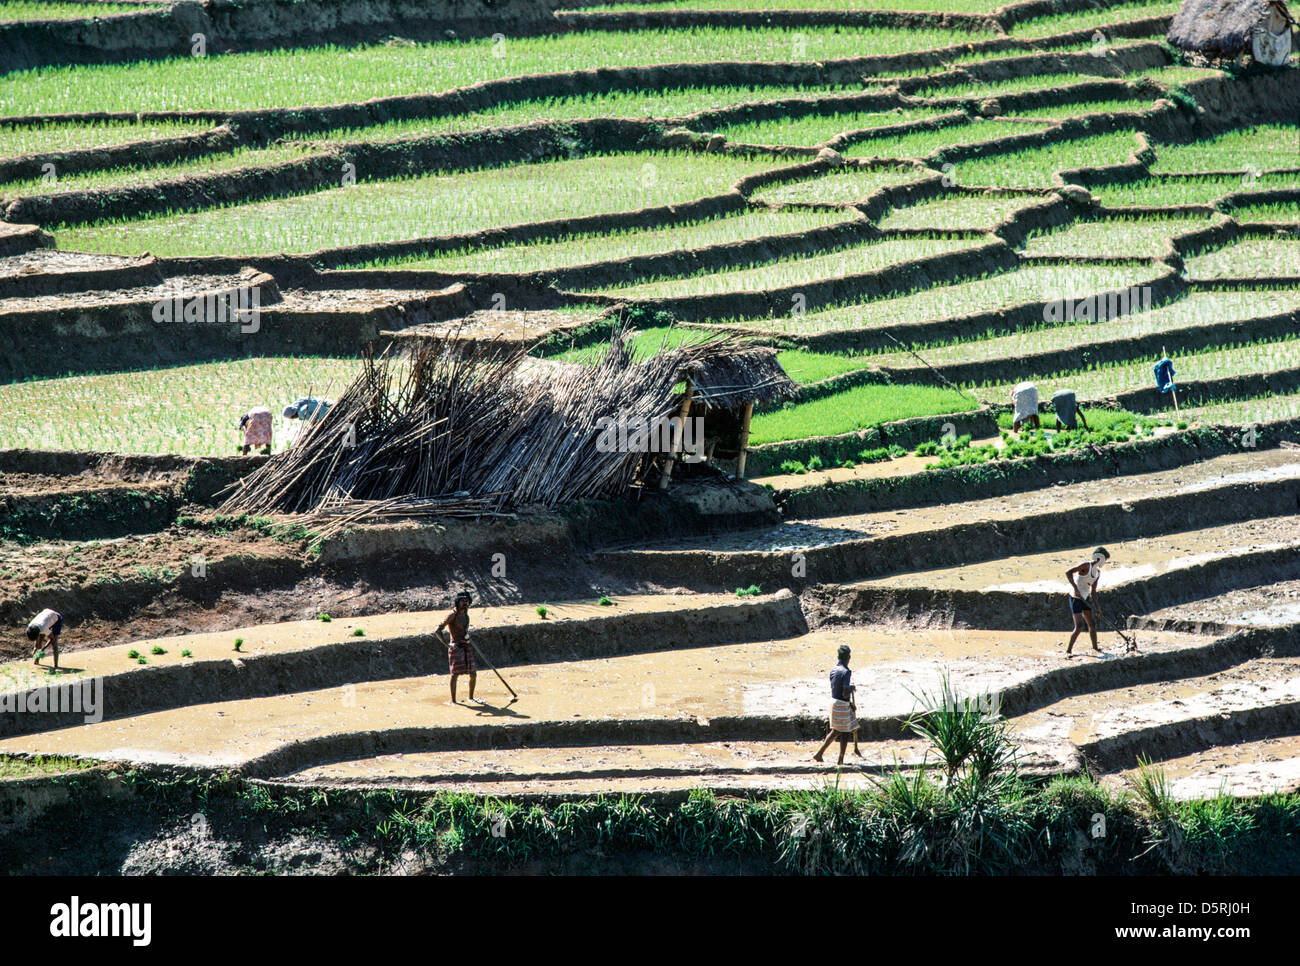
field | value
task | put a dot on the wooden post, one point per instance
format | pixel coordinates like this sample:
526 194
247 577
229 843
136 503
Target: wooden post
744 440
677 436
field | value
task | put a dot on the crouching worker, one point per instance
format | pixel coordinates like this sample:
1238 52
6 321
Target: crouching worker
1068 413
44 631
256 427
1025 400
460 657
304 411
844 718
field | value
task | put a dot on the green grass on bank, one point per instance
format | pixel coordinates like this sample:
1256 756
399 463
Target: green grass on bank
17 11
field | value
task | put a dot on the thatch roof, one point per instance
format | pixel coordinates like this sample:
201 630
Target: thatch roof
726 380
1220 28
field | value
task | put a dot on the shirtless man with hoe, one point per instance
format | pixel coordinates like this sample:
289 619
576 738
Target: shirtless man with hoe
460 656
1083 597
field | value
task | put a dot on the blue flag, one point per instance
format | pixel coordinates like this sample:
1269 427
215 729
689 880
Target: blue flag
1165 375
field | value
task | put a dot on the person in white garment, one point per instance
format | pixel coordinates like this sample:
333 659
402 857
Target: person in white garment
1025 400
44 630
1084 607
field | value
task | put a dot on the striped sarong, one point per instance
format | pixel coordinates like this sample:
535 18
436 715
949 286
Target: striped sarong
843 719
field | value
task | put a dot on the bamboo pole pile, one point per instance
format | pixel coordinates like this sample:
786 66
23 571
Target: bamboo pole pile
459 429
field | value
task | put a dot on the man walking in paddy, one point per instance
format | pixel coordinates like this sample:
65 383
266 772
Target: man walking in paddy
1084 606
844 719
460 657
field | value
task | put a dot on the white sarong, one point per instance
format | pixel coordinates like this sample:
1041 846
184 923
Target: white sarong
843 719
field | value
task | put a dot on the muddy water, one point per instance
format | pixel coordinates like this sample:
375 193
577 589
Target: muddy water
1104 714
1235 468
290 636
1130 559
1248 768
1271 605
771 678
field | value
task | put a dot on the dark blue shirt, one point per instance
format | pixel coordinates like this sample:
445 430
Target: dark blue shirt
841 682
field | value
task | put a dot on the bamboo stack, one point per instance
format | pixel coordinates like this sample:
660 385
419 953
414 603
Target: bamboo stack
460 429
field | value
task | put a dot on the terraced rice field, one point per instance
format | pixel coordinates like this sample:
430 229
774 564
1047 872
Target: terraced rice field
592 171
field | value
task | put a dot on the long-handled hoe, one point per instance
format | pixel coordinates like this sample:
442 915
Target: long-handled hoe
513 697
1130 643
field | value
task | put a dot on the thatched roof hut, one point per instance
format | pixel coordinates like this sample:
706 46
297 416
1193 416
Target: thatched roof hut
739 378
1224 29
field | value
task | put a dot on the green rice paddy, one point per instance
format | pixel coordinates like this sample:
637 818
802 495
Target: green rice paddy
1127 237
584 249
818 129
1252 257
435 204
858 408
191 409
1161 191
918 144
1264 147
1034 283
333 75
23 139
793 271
840 186
962 213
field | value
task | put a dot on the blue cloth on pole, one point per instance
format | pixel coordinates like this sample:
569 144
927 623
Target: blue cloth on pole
1165 375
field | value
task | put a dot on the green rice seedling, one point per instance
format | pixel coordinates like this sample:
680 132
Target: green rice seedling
132 654
853 409
359 632
333 75
541 612
324 618
605 602
120 412
964 213
1033 283
919 144
1105 379
673 103
1245 411
814 464
794 271
1263 147
840 186
187 653
432 204
16 11
1258 257
1198 308
587 249
1040 27
1084 108
1158 191
1275 213
793 467
753 590
239 643
1011 85
815 129
142 660
56 138
150 173
1132 237
157 649
1175 75
1034 167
